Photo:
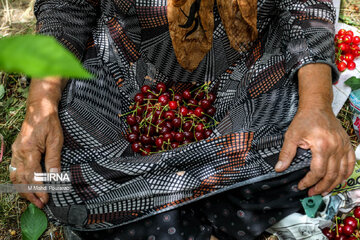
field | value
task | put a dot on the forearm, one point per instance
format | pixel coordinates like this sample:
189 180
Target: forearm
46 92
315 86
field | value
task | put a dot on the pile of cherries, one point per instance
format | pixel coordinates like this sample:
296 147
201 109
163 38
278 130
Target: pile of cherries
345 229
347 49
161 119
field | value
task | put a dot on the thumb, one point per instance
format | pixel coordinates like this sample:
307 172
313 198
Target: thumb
287 154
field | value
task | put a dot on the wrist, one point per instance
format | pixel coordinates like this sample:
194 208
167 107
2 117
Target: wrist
45 92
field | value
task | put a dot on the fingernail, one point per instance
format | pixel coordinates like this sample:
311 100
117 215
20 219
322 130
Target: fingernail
301 187
278 165
54 170
325 193
42 200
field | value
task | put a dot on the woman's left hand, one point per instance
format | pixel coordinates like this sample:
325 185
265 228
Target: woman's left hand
315 127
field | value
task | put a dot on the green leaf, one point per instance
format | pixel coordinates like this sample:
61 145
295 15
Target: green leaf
2 91
33 223
39 56
353 82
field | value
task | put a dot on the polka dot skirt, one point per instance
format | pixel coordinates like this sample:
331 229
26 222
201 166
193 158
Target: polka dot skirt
243 213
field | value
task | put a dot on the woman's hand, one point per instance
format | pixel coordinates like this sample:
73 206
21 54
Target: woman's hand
316 128
40 133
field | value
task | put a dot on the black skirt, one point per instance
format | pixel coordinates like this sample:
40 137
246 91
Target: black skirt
242 213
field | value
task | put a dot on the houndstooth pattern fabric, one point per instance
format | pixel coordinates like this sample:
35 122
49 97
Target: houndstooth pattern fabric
126 44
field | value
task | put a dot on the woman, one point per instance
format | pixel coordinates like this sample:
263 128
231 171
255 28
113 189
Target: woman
271 65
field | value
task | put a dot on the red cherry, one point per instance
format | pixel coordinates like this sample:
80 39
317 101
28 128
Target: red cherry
149 130
169 115
211 111
161 87
178 97
167 94
208 132
179 137
173 105
193 103
351 65
133 137
348 57
168 137
146 151
340 228
199 111
160 123
186 94
159 142
138 119
205 104
165 129
184 111
131 120
343 47
200 127
151 96
176 122
204 118
139 98
199 136
352 238
187 126
328 233
351 221
347 39
191 112
199 95
169 125
150 117
340 237
158 114
342 32
186 141
349 33
145 89
189 135
139 110
356 40
136 147
357 212
348 230
135 129
211 97
174 145
145 139
341 66
163 99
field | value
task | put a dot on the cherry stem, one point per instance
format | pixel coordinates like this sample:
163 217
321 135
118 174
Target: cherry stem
337 227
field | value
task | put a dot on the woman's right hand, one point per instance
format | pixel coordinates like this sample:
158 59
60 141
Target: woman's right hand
40 134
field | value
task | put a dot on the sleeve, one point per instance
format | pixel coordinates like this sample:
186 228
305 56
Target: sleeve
69 21
308 35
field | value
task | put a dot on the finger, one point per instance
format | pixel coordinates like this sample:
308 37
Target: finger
53 152
20 179
341 176
351 162
32 165
332 174
287 154
318 168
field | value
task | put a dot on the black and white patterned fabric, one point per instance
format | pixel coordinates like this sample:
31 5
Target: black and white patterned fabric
126 44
